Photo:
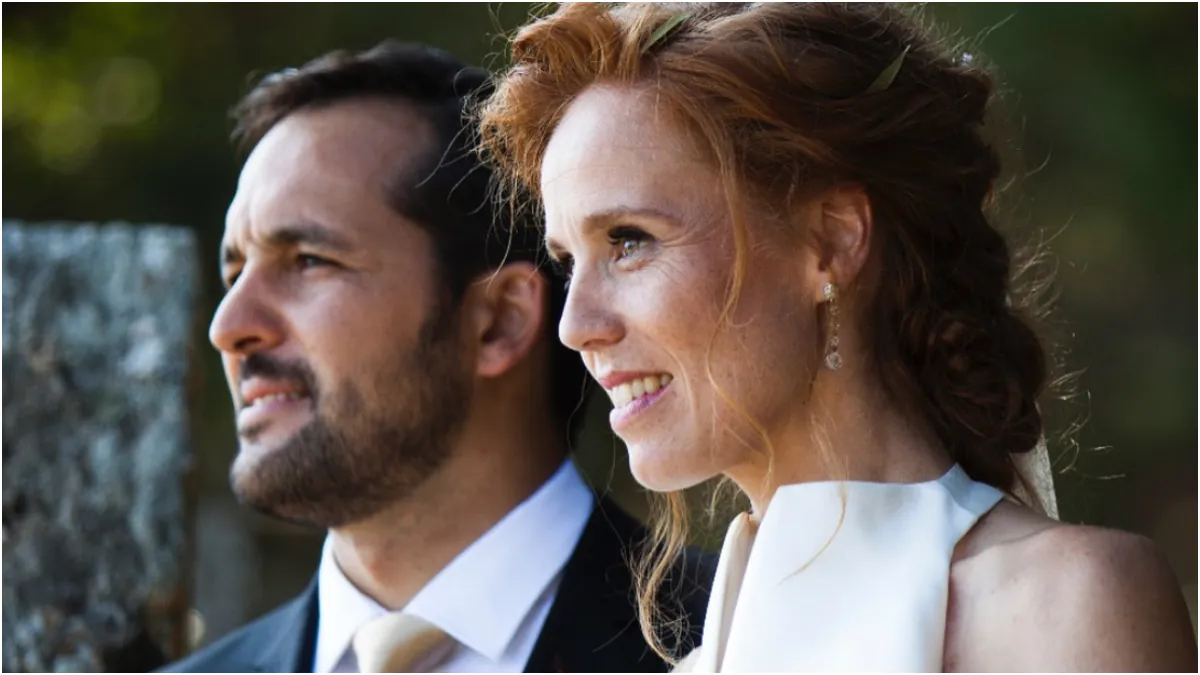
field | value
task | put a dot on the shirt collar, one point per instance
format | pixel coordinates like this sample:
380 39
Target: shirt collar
484 595
342 608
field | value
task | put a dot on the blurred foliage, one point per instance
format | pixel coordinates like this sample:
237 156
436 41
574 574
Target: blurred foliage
119 111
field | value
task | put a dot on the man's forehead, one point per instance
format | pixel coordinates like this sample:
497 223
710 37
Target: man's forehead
358 139
345 156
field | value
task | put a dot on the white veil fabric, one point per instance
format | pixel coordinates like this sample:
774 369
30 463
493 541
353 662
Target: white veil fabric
1035 467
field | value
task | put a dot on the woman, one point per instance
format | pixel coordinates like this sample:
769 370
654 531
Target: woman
772 216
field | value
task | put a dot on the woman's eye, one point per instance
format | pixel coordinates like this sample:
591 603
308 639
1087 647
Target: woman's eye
628 241
628 247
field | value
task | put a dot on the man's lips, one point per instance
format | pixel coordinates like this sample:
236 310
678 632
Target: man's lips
257 391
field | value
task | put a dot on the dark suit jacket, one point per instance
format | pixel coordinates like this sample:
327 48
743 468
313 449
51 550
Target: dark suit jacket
592 625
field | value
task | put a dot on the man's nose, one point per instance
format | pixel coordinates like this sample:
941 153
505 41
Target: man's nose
245 321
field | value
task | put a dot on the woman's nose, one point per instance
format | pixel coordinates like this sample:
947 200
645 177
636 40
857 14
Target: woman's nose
588 322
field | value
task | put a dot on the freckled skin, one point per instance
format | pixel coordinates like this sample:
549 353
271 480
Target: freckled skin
640 220
654 304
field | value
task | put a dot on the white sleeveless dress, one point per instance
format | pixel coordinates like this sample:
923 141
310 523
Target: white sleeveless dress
801 593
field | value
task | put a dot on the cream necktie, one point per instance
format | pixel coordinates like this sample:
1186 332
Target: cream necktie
397 643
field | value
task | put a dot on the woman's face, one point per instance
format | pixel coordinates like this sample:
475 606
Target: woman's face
641 222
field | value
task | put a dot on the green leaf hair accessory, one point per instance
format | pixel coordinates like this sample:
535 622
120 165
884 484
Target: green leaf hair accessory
664 31
885 79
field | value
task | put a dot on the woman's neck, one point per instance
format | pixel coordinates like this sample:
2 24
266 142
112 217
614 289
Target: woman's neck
849 431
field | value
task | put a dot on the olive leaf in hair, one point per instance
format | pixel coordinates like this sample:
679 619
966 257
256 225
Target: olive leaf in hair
885 78
662 32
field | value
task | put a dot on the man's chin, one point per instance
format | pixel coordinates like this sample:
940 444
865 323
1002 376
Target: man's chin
256 489
274 504
269 484
252 455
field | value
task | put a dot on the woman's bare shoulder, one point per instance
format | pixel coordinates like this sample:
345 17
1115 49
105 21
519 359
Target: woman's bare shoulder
1030 593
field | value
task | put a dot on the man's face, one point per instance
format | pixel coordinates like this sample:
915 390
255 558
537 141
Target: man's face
342 353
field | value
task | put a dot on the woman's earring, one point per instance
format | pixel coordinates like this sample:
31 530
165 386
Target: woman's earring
833 360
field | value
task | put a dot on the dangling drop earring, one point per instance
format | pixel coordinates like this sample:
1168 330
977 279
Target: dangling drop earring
833 360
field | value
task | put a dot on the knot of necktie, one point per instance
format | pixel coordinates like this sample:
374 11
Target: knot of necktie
399 643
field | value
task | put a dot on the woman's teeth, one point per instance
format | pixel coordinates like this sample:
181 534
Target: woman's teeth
625 393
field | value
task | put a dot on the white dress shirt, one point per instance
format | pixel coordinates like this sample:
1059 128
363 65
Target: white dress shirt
492 599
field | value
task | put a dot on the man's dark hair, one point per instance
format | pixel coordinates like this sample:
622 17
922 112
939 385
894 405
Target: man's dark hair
449 192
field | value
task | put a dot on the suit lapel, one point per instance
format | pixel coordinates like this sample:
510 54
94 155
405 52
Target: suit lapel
285 644
592 625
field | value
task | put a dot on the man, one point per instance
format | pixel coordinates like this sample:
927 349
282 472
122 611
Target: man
390 345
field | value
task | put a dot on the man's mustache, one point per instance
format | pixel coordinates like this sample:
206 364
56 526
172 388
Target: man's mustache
267 368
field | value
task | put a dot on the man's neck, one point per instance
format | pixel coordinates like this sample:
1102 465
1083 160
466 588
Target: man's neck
395 553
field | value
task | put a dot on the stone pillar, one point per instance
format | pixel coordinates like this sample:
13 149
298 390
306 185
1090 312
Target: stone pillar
98 322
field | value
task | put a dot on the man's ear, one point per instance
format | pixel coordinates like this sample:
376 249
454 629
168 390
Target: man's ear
507 309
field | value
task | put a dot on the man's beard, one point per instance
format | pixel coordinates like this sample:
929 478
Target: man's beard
370 444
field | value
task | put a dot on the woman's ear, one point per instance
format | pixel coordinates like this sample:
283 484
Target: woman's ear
507 309
844 228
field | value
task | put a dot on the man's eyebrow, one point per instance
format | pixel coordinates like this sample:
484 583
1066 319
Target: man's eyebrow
289 236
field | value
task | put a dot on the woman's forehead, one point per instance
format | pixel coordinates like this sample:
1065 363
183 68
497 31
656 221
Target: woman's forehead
618 124
616 149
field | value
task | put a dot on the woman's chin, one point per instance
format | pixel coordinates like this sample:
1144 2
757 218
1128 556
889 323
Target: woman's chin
666 472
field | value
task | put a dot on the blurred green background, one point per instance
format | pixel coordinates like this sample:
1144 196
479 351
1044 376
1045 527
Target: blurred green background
119 112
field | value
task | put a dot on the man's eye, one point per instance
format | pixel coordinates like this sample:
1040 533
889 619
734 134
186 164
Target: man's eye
307 261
